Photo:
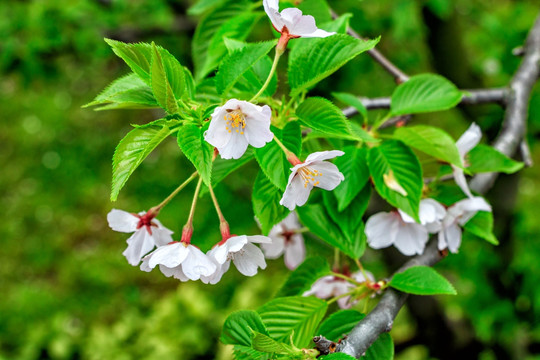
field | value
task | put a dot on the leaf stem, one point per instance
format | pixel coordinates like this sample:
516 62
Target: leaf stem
269 78
345 277
156 209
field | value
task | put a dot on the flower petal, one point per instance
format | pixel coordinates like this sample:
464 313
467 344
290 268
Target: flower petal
235 147
295 252
139 244
469 139
461 181
170 255
450 237
306 27
162 236
381 229
322 155
323 288
330 176
467 208
217 134
122 221
296 194
411 239
257 129
275 249
249 259
236 243
197 264
259 239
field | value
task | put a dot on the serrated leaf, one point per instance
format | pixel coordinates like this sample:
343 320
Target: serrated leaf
481 225
394 159
239 326
161 87
484 158
339 324
266 205
265 343
424 93
321 115
297 315
430 140
381 349
239 62
338 356
353 166
319 222
351 100
248 353
197 150
132 150
271 158
301 279
422 280
321 57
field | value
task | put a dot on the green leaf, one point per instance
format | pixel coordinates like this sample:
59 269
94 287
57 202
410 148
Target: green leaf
338 356
132 150
127 92
430 140
266 205
223 167
339 324
381 349
301 279
424 93
351 100
296 315
197 150
321 115
393 160
339 25
265 343
320 58
481 225
484 158
271 158
239 62
353 165
319 9
248 353
422 280
160 84
239 326
203 6
318 221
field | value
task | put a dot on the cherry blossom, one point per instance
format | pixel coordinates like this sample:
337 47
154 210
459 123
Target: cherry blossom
286 240
458 215
313 172
332 286
292 23
466 143
399 229
241 250
180 260
237 124
148 233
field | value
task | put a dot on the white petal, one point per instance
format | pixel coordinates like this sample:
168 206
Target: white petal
249 259
344 302
275 249
304 25
259 239
169 255
291 16
467 208
257 129
319 33
217 275
144 265
235 147
291 222
411 239
323 288
175 272
217 134
197 264
461 181
271 8
452 236
406 217
431 211
295 252
295 193
381 229
161 236
122 221
322 155
236 243
271 4
330 176
139 244
469 139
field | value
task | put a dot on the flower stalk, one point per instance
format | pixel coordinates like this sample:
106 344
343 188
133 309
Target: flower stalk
277 56
153 212
187 230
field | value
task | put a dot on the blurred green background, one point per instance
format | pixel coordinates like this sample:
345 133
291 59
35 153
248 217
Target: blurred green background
66 292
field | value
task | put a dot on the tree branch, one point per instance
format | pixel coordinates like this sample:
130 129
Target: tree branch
381 318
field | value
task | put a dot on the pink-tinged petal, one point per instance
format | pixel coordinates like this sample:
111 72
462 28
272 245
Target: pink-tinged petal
197 264
323 288
139 244
169 255
450 237
275 249
291 222
217 134
249 259
469 139
322 155
295 252
161 236
344 302
359 276
330 176
122 221
259 239
381 229
296 194
411 239
461 181
235 147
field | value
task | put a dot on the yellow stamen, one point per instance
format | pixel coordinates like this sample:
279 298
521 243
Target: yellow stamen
236 120
308 175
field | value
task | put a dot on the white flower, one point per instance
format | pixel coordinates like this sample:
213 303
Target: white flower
292 22
237 124
399 229
286 240
458 215
148 233
466 143
240 249
331 286
180 260
312 172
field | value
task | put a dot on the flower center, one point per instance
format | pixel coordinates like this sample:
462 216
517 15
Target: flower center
146 221
236 120
308 175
